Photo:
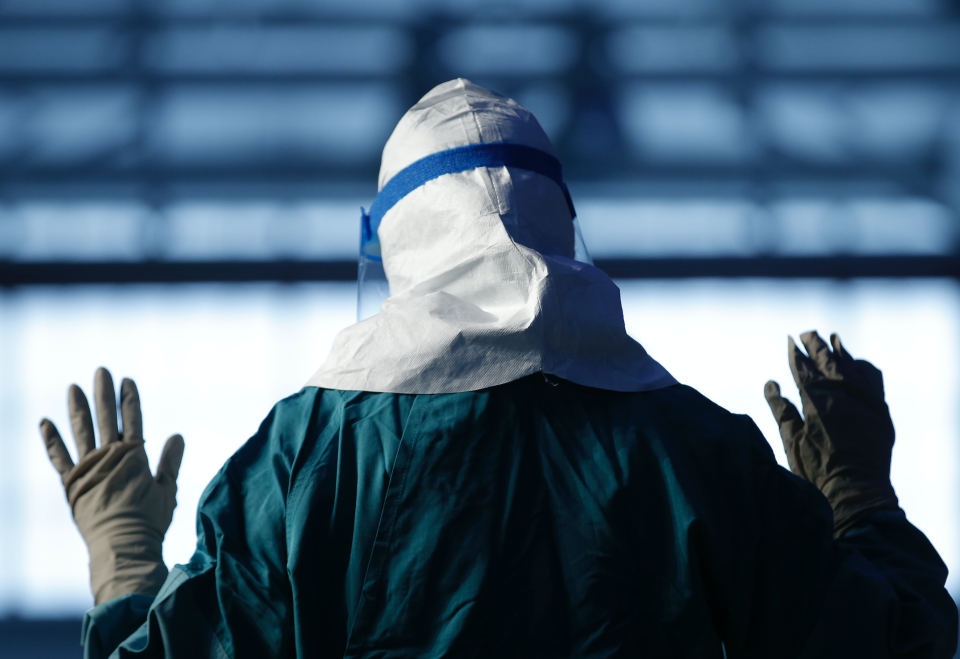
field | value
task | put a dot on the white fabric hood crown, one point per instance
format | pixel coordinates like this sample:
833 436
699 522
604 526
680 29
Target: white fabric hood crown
484 288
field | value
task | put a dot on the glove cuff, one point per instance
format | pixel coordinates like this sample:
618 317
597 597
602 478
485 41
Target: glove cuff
125 564
850 505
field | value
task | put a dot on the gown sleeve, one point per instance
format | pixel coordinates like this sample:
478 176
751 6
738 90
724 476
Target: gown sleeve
107 625
233 598
877 591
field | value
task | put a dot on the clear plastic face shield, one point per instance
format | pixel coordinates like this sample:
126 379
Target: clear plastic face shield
372 285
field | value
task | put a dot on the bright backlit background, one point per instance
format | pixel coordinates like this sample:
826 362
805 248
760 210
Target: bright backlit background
210 361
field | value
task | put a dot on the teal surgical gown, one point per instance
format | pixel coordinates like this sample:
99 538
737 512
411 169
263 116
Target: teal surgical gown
537 518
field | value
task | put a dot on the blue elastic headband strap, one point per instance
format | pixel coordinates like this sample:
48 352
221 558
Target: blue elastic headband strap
460 159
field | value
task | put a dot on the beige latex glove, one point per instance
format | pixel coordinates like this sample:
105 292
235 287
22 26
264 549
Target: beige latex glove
121 509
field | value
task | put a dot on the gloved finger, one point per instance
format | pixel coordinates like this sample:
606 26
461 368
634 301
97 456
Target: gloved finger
59 455
170 459
839 351
130 411
105 398
80 421
784 412
801 366
872 378
820 353
791 426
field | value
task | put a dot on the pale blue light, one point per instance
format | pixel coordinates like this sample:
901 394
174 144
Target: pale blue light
210 361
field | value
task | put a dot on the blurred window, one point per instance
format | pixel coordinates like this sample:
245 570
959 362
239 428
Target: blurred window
184 231
857 7
641 227
660 8
59 49
865 227
677 122
340 50
653 49
378 9
663 228
509 50
12 118
893 47
62 7
345 123
261 231
66 126
836 123
550 103
48 231
805 121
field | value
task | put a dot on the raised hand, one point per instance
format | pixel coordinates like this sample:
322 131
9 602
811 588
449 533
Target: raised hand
844 440
120 507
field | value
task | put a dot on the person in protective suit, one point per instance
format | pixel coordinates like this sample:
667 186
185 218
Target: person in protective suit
491 467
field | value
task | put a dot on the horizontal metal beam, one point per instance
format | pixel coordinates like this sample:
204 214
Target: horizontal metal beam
163 272
829 267
237 171
174 272
19 80
359 184
144 19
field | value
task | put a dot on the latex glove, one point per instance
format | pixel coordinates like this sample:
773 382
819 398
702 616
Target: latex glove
843 442
121 509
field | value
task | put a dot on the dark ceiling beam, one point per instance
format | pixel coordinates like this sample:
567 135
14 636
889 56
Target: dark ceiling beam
26 79
830 267
228 172
287 18
160 272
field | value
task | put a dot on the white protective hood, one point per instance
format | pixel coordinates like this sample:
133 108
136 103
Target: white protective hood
484 288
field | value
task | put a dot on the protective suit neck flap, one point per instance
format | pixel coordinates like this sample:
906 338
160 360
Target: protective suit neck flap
489 280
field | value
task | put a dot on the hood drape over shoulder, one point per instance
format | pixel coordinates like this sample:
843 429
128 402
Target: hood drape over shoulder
484 287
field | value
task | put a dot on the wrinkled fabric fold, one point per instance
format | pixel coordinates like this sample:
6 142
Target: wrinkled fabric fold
532 519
